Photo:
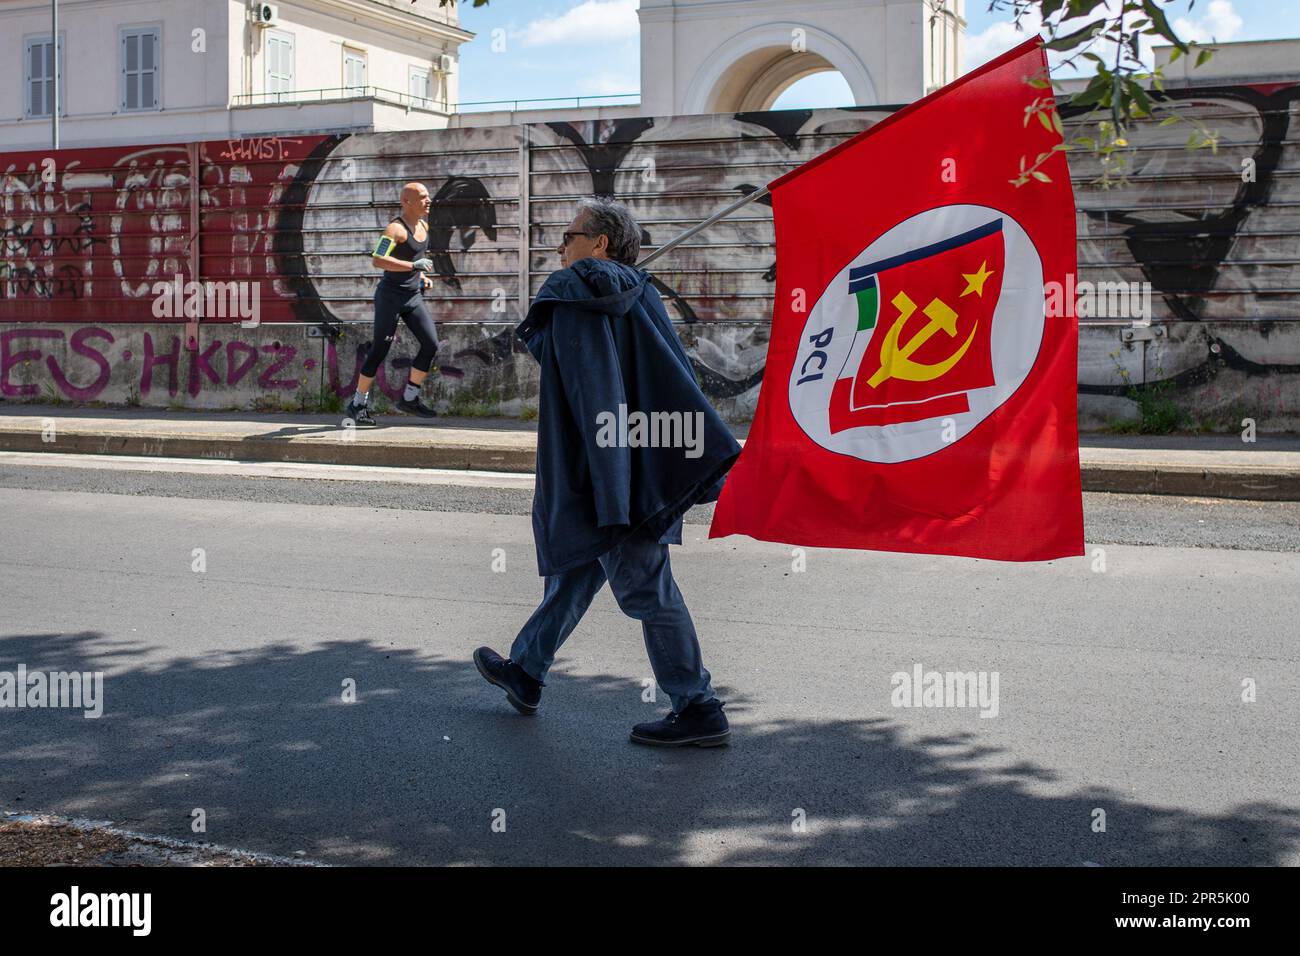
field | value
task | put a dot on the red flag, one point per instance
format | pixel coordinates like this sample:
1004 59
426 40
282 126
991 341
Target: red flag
917 397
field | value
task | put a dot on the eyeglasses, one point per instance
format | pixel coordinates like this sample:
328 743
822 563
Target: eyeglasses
568 236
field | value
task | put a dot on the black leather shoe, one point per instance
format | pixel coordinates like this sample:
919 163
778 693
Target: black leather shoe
699 725
523 692
416 407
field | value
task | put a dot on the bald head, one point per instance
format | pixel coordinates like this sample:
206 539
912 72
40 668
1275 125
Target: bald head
415 201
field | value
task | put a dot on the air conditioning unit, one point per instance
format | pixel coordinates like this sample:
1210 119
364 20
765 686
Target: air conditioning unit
443 63
265 14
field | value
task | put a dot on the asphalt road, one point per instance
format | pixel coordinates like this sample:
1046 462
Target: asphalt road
1119 690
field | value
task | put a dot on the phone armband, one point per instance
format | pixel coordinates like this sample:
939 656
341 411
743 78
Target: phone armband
384 246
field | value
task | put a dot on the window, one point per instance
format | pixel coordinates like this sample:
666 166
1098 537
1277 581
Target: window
354 72
279 63
140 69
420 88
39 85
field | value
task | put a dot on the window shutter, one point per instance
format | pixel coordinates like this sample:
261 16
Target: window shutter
155 75
130 60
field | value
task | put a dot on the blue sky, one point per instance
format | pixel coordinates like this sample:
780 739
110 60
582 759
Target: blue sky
567 48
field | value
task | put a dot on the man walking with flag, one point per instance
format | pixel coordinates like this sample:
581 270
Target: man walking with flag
626 444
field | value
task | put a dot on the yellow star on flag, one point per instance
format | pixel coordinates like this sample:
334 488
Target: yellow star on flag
975 281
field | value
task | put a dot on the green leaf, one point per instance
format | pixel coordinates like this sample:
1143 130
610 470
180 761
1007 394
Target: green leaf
1203 56
1140 96
1162 24
1042 176
1098 88
1079 7
1175 54
1090 96
1051 6
1056 123
1040 84
1170 120
1071 40
1042 118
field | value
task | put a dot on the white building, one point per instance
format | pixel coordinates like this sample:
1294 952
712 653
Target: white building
725 56
720 56
183 70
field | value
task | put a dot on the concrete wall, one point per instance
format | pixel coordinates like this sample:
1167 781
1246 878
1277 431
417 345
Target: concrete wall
270 368
1241 61
297 216
554 114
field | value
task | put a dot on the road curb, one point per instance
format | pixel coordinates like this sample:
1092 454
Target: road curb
1140 478
446 455
1253 484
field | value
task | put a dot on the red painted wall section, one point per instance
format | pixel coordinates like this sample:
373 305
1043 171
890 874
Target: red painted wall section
87 234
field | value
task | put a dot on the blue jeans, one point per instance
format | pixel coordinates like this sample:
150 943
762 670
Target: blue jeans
642 581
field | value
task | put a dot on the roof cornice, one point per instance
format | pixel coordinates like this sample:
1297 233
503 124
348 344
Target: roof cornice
385 14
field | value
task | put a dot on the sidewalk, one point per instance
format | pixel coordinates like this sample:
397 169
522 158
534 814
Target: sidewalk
1218 466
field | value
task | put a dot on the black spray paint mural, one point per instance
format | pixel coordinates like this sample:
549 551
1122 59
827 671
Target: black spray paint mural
1218 242
1215 246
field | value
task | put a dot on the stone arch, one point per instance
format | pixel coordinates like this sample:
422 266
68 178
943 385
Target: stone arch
751 69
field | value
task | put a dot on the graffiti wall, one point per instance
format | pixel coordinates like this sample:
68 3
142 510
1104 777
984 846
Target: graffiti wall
237 273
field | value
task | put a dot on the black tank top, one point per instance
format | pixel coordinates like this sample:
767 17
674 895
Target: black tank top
408 250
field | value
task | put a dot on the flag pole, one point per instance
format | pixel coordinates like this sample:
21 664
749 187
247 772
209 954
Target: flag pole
758 193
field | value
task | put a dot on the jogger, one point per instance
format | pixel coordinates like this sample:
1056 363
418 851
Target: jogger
400 253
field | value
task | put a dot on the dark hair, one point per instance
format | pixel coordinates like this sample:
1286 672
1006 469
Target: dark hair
614 221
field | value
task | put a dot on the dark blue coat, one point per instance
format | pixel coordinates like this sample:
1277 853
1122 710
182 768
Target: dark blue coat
603 339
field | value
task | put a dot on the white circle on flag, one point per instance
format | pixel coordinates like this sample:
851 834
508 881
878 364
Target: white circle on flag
1016 336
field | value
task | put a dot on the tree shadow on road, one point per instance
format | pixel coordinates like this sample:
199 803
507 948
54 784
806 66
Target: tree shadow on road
417 769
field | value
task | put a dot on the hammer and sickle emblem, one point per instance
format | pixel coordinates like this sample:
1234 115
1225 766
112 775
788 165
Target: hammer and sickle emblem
896 361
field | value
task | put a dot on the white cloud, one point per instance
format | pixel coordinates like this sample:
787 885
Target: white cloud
592 20
997 39
1220 23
